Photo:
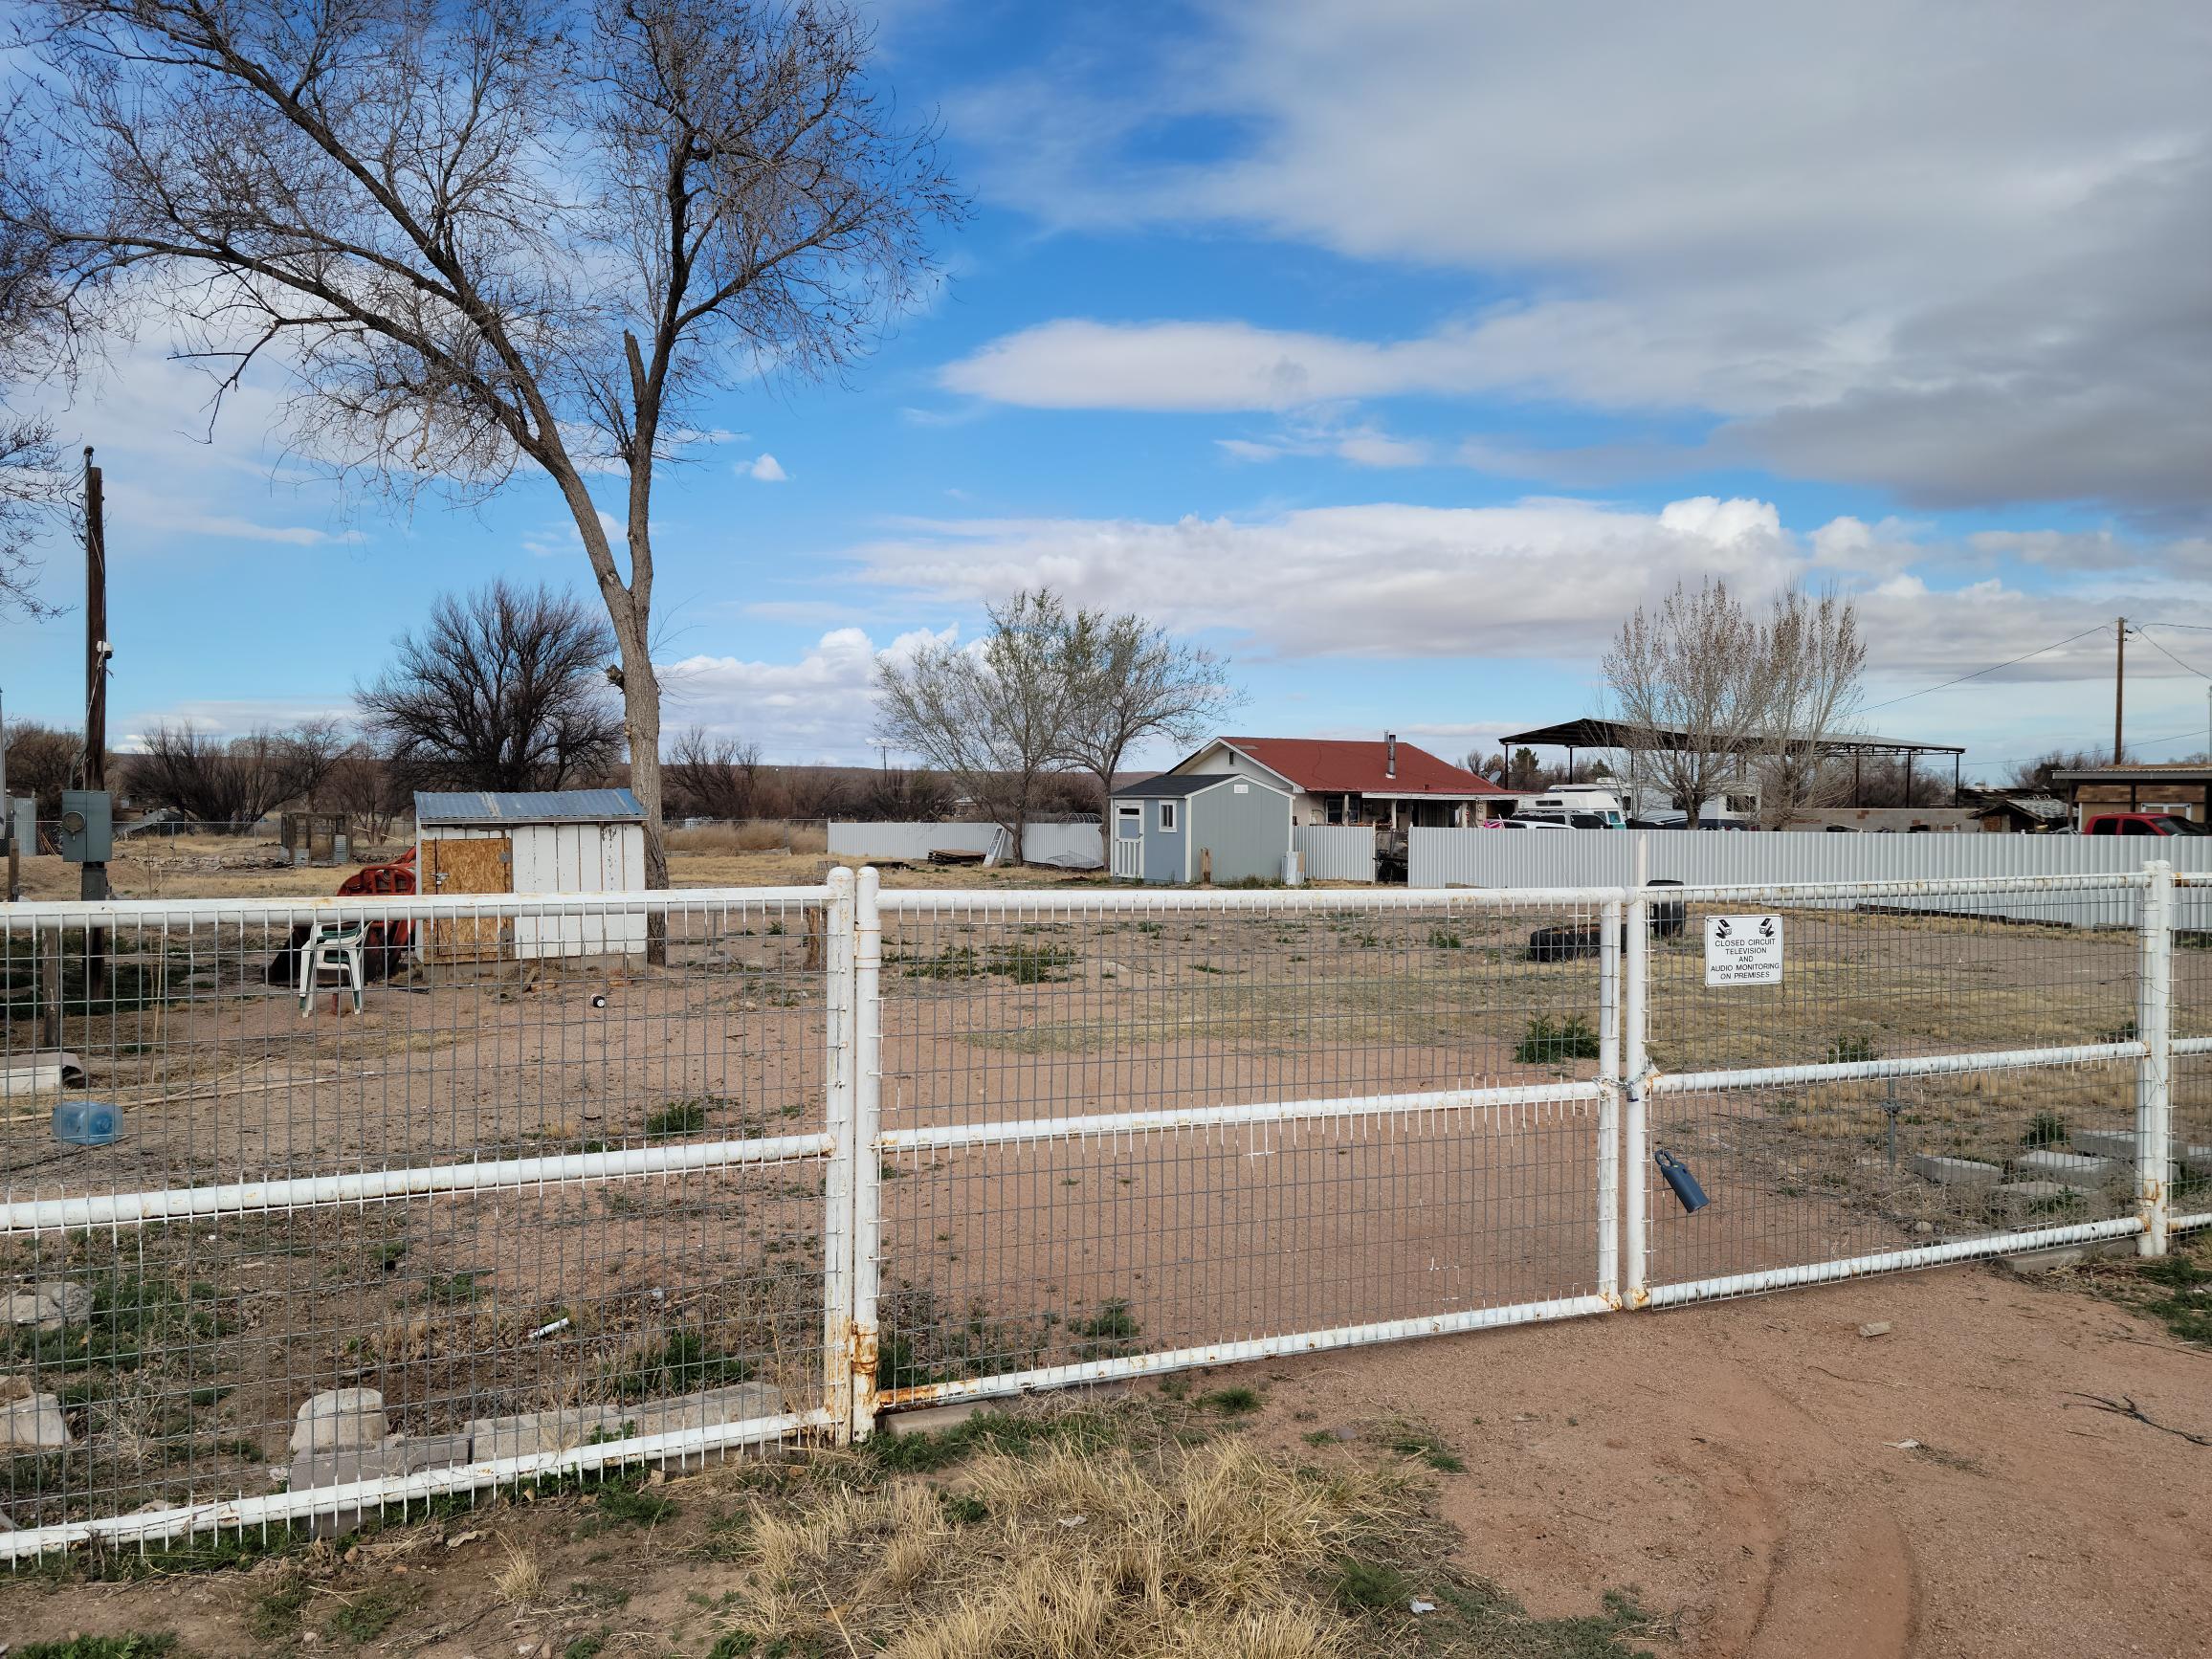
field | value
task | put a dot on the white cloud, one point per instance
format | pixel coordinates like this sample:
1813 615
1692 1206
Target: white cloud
764 467
227 718
1943 259
236 529
559 539
1328 432
1544 577
819 707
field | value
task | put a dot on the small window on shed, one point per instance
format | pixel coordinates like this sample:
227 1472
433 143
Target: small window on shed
1240 788
1168 816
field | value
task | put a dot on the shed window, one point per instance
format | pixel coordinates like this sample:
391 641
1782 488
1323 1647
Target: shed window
1167 819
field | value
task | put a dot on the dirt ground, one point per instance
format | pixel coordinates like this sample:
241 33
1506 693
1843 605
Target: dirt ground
1761 1477
226 867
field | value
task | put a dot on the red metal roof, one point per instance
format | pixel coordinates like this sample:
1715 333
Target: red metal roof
1340 766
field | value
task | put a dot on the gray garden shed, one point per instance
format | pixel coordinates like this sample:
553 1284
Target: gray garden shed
1182 827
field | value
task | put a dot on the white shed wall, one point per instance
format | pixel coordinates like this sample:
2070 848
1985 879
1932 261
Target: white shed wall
555 858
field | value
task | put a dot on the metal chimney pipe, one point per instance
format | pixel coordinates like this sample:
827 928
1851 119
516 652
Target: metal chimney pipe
1390 754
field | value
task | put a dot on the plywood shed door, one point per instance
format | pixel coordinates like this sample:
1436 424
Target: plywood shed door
475 864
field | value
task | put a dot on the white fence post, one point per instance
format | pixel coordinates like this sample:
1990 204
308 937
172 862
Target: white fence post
1610 918
1635 1134
2155 1070
838 1190
867 1159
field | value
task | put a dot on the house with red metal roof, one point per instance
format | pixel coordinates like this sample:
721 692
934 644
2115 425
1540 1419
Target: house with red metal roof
1338 780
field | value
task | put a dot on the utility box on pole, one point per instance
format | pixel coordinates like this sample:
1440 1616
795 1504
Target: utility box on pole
87 830
20 830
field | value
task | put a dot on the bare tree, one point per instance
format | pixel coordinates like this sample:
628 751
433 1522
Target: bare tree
505 689
368 787
710 776
1686 681
1130 681
213 780
992 719
315 749
905 796
42 762
2036 774
30 494
31 484
487 237
1811 661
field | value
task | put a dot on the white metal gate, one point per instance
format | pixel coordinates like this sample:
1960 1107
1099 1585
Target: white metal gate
830 1151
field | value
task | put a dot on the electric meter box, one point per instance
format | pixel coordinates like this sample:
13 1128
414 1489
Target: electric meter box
87 833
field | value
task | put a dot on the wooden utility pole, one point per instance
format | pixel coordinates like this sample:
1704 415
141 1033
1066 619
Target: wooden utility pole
93 887
2119 685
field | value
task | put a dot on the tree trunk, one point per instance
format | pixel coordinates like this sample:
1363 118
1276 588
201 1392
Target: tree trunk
641 723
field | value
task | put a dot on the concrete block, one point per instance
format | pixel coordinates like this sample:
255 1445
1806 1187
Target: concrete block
2196 1159
530 1433
935 1419
31 1422
1965 1172
48 1305
2074 1168
2026 1195
735 1404
341 1420
2118 1143
395 1457
433 1450
2027 1264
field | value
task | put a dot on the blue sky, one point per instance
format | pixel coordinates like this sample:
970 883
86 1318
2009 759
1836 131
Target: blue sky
1396 350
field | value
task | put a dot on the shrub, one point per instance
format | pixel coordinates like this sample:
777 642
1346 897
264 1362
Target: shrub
1851 1048
1548 1040
2044 1129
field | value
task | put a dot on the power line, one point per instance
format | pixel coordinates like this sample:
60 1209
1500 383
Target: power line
1980 672
2171 657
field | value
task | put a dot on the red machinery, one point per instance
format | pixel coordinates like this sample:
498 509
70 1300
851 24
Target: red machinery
386 942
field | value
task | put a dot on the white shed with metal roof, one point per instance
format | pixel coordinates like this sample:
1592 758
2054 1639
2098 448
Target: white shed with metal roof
553 841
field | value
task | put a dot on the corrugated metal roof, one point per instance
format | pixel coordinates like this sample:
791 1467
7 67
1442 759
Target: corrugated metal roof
528 807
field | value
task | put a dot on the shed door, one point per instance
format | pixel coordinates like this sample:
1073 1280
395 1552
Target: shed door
478 864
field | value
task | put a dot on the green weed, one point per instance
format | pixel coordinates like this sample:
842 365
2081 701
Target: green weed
1548 1040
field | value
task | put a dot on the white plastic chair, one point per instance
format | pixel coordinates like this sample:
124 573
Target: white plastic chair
332 944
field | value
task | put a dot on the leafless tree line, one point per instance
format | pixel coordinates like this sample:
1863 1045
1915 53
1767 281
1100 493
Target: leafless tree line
1048 689
1721 693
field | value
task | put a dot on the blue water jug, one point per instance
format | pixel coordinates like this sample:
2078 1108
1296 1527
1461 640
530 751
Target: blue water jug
87 1123
1679 1178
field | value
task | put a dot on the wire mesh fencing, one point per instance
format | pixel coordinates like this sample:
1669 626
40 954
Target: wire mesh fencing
483 1184
1142 1130
2190 1143
316 1207
1929 1079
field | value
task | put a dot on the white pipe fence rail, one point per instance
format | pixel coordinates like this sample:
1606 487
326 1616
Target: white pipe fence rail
821 1153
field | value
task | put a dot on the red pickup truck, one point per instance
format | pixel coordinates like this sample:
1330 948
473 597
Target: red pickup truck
2143 824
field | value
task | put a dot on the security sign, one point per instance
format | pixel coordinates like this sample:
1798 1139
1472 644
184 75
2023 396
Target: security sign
1743 950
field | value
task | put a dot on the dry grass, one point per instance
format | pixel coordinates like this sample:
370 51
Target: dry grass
1219 1551
518 1580
1059 1531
